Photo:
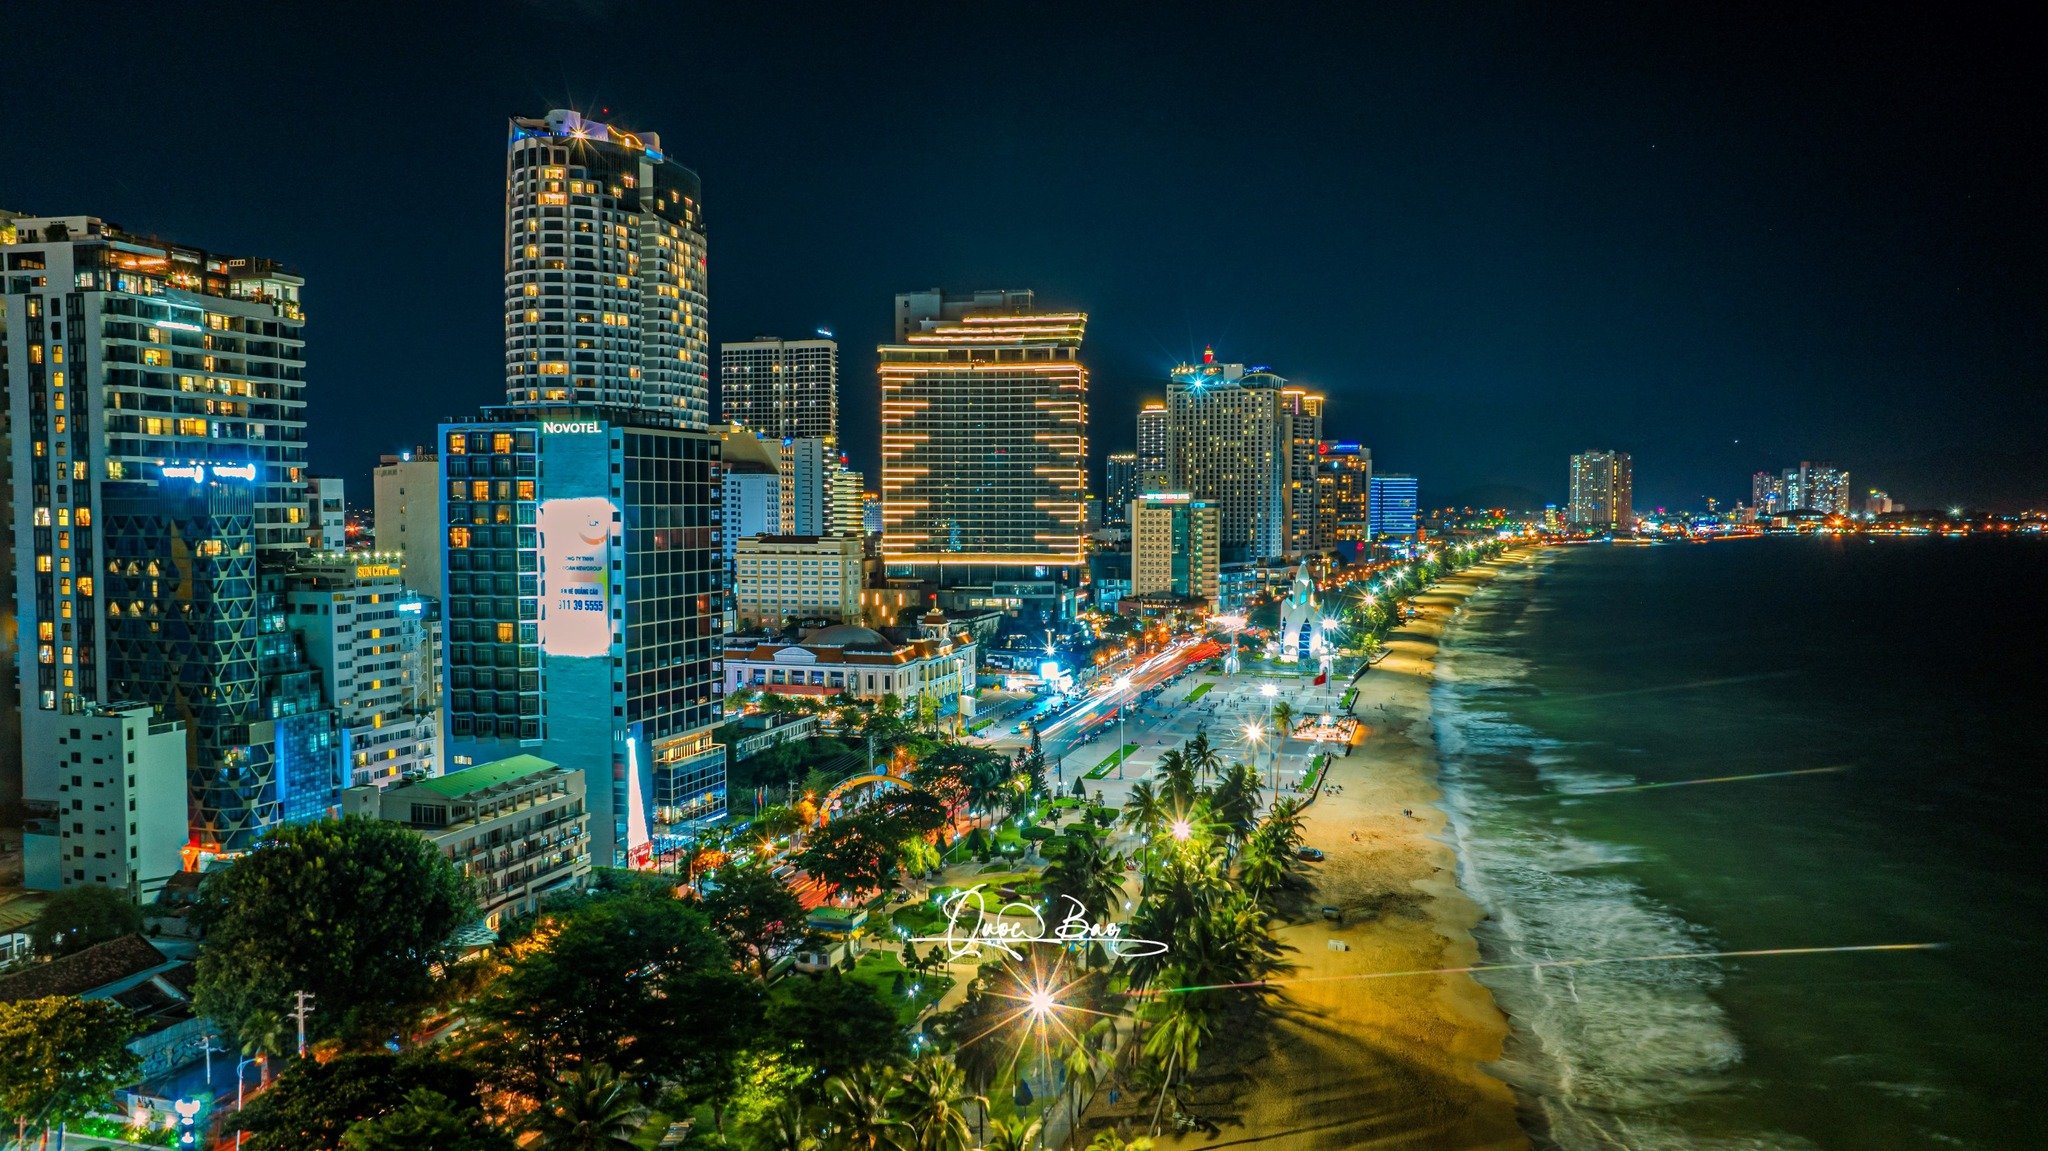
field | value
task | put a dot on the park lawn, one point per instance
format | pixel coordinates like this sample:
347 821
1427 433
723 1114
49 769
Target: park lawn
1201 689
879 968
1350 695
1109 764
650 1132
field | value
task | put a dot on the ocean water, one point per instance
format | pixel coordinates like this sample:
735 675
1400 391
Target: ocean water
1912 672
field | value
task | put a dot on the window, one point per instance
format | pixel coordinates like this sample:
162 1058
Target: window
506 633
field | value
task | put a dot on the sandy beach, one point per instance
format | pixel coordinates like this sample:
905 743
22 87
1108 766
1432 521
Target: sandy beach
1376 1062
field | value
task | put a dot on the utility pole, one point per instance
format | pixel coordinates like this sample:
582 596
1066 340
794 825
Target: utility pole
206 1046
304 1001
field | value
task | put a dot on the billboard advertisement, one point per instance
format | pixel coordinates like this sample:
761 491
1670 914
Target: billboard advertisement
578 538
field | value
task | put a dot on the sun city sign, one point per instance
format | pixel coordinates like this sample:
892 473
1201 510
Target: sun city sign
973 924
198 472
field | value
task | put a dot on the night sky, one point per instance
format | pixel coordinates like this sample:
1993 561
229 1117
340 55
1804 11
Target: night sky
1494 234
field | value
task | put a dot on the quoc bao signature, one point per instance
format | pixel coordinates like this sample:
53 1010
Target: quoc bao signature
974 921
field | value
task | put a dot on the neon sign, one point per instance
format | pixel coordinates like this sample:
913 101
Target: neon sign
557 427
199 472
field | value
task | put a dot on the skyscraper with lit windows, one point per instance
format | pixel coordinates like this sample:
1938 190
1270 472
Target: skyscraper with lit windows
781 388
1245 440
1603 491
984 451
605 264
174 373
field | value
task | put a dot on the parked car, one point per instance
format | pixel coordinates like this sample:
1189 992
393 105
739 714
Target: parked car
1311 854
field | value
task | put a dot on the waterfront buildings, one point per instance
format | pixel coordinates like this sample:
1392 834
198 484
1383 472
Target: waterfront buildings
807 577
984 452
377 645
516 828
1602 492
862 662
1176 546
132 360
1877 502
1153 473
1814 487
781 388
120 803
605 261
1767 493
407 508
1119 487
1244 440
1392 509
1344 495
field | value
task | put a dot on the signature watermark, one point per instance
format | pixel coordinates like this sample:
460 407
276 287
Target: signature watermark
975 922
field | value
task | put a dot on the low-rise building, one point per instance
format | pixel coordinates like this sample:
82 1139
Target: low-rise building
861 662
516 828
120 819
779 578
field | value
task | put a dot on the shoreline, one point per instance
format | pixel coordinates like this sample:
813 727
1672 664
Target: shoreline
1380 1062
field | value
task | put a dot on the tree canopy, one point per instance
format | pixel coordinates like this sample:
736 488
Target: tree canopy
354 910
313 1105
834 1023
755 913
426 1119
61 1056
78 917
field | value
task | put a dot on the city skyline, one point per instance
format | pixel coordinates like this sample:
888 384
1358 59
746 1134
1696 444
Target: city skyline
1523 327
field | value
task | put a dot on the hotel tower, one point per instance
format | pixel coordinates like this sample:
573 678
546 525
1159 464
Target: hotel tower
984 452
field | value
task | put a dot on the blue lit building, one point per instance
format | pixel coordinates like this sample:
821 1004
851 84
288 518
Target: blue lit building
1393 507
584 593
196 628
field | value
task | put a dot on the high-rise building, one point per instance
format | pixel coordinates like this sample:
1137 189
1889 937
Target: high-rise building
1344 494
1119 487
806 465
604 272
121 800
1814 487
1603 491
1392 509
1304 493
1154 474
211 647
584 600
1877 502
128 358
1245 440
407 509
377 645
1175 546
871 513
984 452
326 514
846 517
751 492
781 388
782 578
1767 493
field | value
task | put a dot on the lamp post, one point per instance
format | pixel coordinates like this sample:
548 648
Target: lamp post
241 1068
1123 720
205 1045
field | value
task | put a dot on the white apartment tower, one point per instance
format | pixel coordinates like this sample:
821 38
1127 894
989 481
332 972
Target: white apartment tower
605 264
781 388
379 656
1603 491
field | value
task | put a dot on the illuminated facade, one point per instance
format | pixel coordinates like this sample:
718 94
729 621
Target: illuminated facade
860 662
1119 487
605 265
584 598
1603 491
1154 475
1175 547
778 578
984 451
1817 488
1394 509
408 514
1767 493
126 358
1344 494
806 465
781 388
377 645
1246 441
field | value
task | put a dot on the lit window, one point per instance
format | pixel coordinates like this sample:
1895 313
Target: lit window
458 537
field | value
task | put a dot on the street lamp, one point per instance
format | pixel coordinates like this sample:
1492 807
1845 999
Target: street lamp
1123 721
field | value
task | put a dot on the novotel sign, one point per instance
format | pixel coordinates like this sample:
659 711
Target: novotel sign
198 472
560 427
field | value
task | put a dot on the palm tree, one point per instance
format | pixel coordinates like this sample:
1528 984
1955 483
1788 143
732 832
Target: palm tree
1088 874
1143 810
592 1110
785 1127
1109 1140
1013 1133
1177 778
1283 724
1237 800
857 1108
1205 758
1284 820
1262 867
267 1037
933 1093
